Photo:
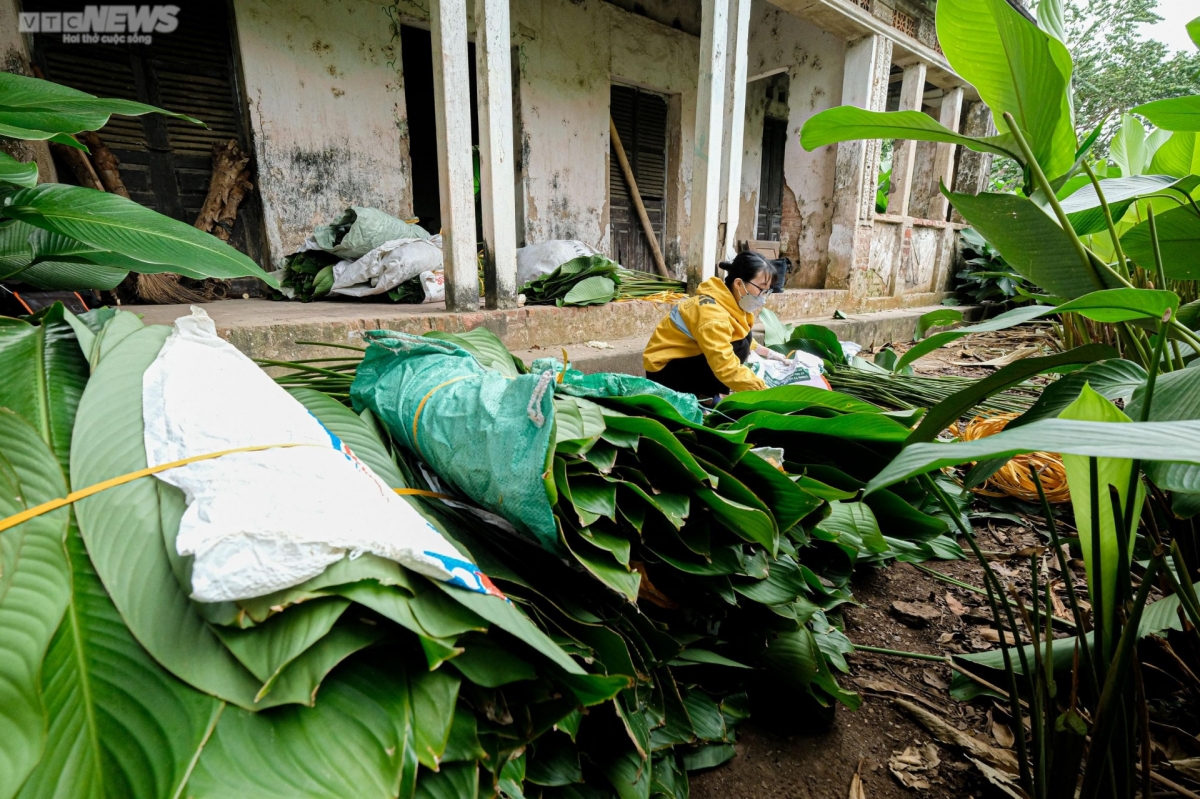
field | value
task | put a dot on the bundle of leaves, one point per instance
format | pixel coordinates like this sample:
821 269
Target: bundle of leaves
411 292
309 274
120 683
633 285
686 599
587 280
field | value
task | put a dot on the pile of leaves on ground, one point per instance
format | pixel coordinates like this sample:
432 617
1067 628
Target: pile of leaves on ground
702 583
595 280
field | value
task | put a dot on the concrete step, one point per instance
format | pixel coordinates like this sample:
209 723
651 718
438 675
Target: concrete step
871 330
265 329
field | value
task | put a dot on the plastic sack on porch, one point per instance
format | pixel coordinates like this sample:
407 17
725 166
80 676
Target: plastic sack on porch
802 369
257 522
543 258
387 266
487 434
614 384
359 230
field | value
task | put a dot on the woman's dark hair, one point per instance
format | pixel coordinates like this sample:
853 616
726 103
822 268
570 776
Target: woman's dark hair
747 267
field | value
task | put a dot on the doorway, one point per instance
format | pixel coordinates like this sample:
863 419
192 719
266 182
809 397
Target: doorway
641 121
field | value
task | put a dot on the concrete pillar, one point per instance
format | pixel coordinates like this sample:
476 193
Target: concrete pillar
971 177
706 170
867 63
735 125
943 162
493 70
456 174
912 91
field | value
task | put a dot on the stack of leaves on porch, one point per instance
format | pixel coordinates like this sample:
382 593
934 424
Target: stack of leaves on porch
594 280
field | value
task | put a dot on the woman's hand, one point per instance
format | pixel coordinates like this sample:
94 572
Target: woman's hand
769 354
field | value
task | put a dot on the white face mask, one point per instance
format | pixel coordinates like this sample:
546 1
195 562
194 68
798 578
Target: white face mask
751 303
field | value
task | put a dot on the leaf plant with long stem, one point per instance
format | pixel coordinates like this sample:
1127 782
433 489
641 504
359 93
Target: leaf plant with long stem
72 237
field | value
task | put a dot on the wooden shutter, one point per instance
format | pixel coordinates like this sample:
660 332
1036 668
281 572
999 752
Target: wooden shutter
166 163
641 121
770 184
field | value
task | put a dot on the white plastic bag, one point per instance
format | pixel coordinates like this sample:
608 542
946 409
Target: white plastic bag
257 522
434 284
802 369
542 259
387 266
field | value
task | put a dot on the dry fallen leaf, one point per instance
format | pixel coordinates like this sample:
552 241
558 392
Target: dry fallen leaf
998 778
1188 767
940 729
1003 735
955 606
990 634
945 638
931 677
856 786
910 766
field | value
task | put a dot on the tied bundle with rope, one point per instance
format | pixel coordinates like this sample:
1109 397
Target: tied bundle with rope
1012 479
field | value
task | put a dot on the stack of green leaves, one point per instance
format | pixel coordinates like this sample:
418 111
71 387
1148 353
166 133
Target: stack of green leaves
587 280
411 292
595 280
308 274
368 680
695 568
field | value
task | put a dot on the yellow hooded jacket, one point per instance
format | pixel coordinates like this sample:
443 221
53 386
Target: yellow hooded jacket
706 324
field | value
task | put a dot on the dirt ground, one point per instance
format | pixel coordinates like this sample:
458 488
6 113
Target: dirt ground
867 742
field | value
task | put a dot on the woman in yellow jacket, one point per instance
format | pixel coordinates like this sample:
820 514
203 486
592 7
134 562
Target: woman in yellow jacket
701 346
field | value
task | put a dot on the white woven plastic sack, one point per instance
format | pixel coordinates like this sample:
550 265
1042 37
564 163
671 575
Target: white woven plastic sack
257 522
803 369
387 266
543 258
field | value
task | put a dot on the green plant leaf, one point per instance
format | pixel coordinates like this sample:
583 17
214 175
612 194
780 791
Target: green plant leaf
1114 378
1004 321
1147 441
1114 473
869 427
122 528
485 346
66 276
594 290
1128 149
17 172
34 593
1087 215
455 781
1179 155
1031 242
1123 305
947 411
938 318
1176 398
849 123
1178 240
1017 68
786 399
1174 113
33 102
266 649
353 431
775 333
485 663
357 741
111 222
796 663
44 376
855 522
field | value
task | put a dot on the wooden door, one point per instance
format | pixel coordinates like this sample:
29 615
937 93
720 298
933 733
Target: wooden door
770 186
641 121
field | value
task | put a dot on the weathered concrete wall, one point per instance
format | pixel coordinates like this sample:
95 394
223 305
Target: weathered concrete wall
326 94
756 112
814 61
569 54
14 57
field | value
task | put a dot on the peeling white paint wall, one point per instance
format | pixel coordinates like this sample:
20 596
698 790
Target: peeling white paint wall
814 61
569 55
326 95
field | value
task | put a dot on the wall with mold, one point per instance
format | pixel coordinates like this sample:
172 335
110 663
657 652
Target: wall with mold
813 60
568 56
326 96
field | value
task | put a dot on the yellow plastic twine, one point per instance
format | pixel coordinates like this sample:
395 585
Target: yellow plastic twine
1012 479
